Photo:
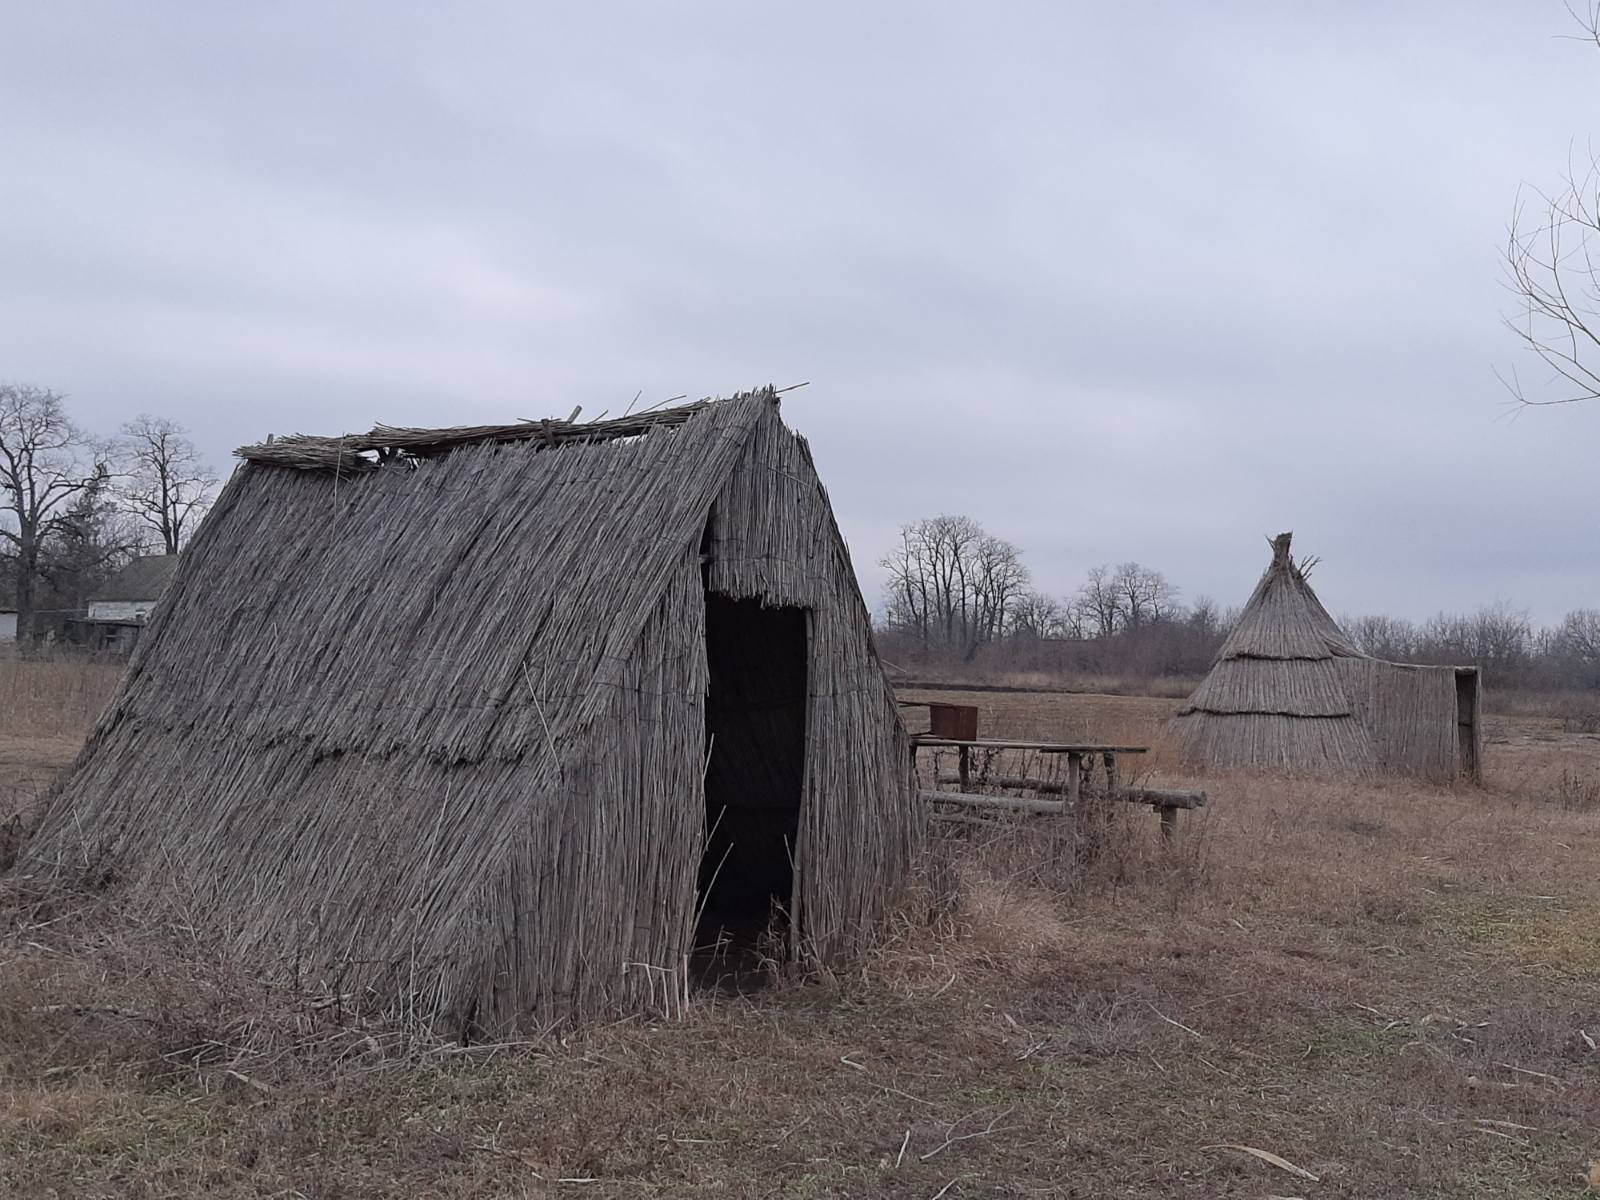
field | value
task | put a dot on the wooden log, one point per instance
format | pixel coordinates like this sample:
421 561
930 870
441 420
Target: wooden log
1155 797
1165 797
1049 787
1012 803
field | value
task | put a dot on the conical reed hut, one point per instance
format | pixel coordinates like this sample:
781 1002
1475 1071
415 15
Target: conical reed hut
477 722
1290 692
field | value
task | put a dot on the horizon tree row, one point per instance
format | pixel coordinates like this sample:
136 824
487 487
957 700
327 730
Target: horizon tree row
958 594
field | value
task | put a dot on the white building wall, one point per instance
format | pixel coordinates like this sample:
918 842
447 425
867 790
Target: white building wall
119 610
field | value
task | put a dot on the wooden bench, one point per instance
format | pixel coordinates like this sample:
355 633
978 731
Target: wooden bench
1168 802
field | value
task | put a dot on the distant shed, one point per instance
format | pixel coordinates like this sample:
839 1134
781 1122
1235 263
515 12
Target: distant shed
477 721
120 608
1290 692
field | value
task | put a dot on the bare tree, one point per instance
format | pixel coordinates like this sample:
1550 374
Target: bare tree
1097 605
953 585
162 479
45 461
1037 616
94 539
1144 595
1110 602
1575 644
999 583
1553 271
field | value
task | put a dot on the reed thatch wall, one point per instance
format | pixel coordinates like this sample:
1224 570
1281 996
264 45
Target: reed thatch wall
1289 692
433 733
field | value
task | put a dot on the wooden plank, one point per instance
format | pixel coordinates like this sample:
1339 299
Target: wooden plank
1044 747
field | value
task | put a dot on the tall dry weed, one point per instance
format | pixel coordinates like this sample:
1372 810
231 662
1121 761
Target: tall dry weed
55 697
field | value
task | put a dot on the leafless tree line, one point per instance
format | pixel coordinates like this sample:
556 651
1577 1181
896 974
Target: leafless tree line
954 589
75 507
957 594
1499 638
953 586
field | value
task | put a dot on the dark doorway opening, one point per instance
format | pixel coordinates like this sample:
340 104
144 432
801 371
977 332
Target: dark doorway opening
755 775
1469 704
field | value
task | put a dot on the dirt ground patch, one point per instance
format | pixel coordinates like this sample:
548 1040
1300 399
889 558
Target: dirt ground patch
1393 988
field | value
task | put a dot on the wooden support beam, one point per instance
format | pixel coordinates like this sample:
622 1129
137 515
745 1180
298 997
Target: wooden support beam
1010 803
1155 797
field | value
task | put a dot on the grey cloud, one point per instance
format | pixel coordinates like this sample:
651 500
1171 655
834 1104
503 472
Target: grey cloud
1120 283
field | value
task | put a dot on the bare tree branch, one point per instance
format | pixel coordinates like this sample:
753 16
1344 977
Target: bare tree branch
1553 273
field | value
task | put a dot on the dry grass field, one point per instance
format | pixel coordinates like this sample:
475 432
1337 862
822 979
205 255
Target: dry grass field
1322 990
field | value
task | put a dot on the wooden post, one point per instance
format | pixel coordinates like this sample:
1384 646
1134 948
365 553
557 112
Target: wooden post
963 759
1074 778
1169 821
1112 782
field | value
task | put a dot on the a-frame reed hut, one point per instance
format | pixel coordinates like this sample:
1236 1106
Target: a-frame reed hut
1290 692
475 721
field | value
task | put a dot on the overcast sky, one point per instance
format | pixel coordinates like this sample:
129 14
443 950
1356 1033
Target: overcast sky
1120 281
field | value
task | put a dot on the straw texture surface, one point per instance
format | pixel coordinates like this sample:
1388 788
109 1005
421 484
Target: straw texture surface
434 733
1289 692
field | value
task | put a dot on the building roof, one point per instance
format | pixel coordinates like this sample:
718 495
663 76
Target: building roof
392 671
143 579
1290 691
1276 695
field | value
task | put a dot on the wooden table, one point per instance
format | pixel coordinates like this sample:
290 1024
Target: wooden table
1075 752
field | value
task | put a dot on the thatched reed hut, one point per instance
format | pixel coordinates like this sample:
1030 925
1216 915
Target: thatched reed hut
1290 692
477 721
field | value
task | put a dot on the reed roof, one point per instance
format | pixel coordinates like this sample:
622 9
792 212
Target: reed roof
354 452
1279 658
1290 691
361 695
